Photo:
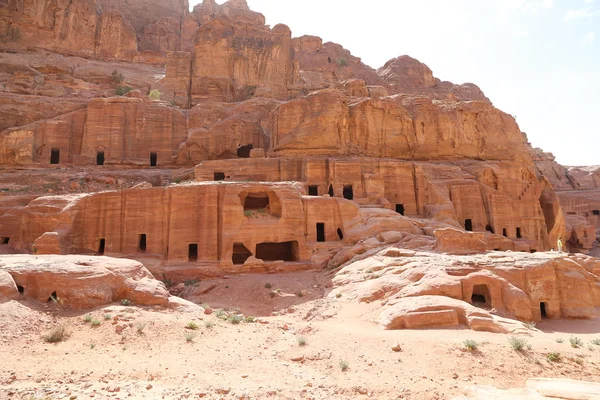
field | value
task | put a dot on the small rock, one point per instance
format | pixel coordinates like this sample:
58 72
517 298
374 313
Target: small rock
397 348
149 387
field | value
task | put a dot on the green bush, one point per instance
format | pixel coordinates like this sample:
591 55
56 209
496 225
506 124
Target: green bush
123 90
342 62
554 357
575 342
470 345
516 343
117 77
154 95
192 325
57 334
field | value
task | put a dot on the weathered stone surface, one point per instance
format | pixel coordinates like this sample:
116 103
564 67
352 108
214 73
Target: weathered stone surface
236 58
510 284
537 389
407 75
8 287
222 130
84 282
397 127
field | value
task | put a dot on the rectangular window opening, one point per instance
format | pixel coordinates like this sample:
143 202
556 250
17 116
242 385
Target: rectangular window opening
519 233
469 225
348 192
320 232
219 176
142 245
313 190
54 156
400 209
193 252
101 247
153 159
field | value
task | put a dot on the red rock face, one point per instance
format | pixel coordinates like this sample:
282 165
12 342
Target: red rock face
324 158
407 75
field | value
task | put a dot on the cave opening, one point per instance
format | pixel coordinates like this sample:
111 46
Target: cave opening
54 156
21 289
244 151
340 234
313 190
219 176
596 212
504 232
400 209
481 296
285 251
193 252
153 159
53 297
142 243
519 236
5 240
468 225
330 192
543 312
240 253
101 247
256 201
320 232
489 228
100 158
348 192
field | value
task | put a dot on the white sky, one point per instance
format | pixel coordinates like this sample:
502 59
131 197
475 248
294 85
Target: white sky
536 59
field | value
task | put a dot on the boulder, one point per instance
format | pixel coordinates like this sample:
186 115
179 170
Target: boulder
81 282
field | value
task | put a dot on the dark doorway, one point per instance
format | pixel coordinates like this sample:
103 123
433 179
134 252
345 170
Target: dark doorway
543 312
244 151
142 246
320 232
504 232
54 156
400 209
313 190
286 251
330 192
101 247
193 252
468 225
348 192
5 240
519 233
481 296
596 212
21 289
53 297
340 234
100 158
219 176
489 228
240 253
153 159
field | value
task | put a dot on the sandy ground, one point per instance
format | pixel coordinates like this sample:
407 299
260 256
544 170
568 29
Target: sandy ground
153 359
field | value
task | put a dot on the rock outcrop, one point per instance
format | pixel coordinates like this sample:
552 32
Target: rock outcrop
80 282
423 289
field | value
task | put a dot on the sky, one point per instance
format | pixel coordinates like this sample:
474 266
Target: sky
538 60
